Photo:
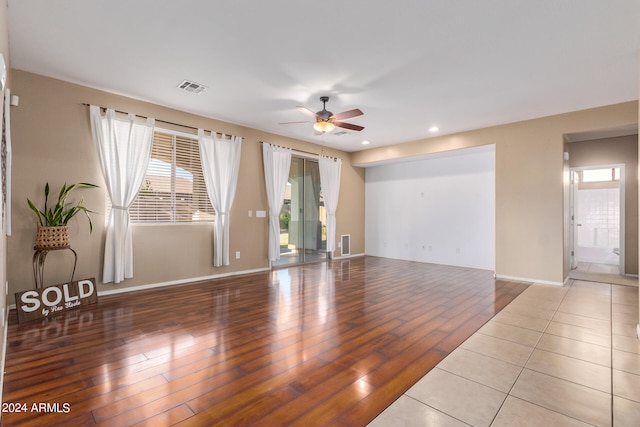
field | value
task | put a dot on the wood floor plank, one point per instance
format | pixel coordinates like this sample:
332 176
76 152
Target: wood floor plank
168 418
331 343
359 414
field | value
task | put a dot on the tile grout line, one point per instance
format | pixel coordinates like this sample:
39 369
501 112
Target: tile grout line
435 409
507 394
528 358
522 368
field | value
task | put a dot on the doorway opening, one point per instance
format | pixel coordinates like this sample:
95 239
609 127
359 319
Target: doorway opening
597 221
303 235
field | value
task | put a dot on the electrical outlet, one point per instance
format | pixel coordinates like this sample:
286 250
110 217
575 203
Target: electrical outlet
237 254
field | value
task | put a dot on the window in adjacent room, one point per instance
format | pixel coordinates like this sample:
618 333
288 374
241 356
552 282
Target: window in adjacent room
173 190
601 175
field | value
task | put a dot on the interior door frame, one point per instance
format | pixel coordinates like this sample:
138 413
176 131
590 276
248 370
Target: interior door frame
573 223
573 177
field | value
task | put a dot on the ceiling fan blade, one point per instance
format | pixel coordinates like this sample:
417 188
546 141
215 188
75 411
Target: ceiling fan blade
293 123
308 112
348 114
349 126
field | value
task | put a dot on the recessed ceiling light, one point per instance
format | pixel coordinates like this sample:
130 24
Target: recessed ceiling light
365 143
434 129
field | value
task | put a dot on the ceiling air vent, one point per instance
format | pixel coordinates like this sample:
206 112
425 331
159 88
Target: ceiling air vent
340 133
189 86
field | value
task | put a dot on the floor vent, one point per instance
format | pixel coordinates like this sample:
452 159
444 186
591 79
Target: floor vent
189 86
345 244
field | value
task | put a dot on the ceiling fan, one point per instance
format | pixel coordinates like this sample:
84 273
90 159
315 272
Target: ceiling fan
326 121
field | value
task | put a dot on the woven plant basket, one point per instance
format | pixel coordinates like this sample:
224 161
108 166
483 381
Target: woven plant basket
51 238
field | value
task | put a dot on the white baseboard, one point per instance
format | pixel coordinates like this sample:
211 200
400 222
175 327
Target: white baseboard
471 267
347 256
177 282
169 283
525 279
172 282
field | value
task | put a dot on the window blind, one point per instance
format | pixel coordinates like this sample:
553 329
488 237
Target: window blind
174 190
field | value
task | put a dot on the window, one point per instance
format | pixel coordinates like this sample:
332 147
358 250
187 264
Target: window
173 190
601 175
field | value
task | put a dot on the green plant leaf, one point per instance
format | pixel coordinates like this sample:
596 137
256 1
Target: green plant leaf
46 196
62 211
86 185
87 212
36 211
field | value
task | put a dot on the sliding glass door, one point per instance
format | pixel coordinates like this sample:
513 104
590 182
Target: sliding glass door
303 216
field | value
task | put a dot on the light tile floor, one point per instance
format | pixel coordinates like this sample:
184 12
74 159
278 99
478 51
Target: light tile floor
555 356
607 273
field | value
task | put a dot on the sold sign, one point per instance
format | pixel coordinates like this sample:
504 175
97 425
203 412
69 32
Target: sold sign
47 302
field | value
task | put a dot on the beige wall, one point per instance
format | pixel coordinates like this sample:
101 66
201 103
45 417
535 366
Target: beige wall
620 150
4 49
52 142
530 184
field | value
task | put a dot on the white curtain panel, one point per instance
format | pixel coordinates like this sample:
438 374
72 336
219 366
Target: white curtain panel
220 158
330 183
277 162
124 151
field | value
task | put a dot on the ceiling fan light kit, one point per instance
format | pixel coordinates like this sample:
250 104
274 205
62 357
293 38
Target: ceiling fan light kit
323 126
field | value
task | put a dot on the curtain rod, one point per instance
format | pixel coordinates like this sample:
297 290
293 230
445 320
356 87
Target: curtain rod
296 150
157 120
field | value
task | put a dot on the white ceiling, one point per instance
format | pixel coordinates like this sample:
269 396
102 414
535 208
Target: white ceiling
407 64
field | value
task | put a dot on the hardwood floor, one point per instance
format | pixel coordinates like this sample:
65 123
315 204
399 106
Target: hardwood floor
331 343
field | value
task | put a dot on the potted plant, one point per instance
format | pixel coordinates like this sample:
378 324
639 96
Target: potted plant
53 232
